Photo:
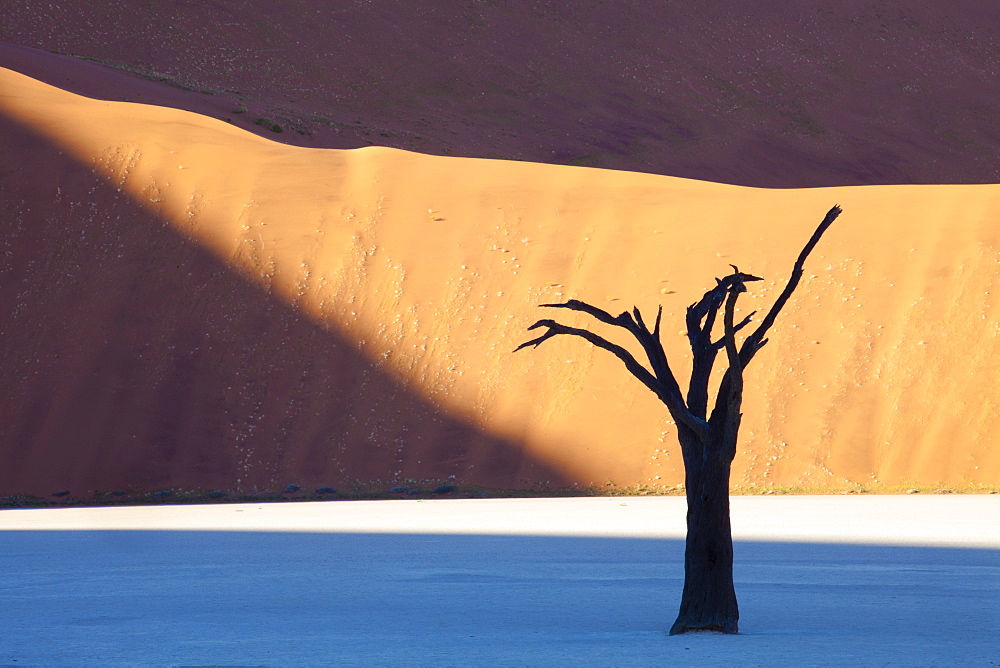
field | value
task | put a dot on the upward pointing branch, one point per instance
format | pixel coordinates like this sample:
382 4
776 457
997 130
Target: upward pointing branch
729 340
725 398
701 318
756 340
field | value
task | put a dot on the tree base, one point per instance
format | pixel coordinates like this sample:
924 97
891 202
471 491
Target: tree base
678 628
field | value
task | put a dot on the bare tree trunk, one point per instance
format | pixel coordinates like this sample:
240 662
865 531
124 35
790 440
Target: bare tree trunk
708 441
708 601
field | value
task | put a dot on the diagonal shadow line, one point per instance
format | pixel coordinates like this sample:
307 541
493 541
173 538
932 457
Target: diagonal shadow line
135 360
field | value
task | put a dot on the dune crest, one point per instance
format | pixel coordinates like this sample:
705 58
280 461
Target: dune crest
793 95
431 268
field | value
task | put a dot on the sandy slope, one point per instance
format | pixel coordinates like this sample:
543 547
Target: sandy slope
773 94
220 310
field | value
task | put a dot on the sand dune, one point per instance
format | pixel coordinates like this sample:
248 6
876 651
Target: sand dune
792 95
214 309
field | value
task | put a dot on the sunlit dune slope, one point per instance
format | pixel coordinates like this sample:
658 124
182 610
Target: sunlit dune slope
218 310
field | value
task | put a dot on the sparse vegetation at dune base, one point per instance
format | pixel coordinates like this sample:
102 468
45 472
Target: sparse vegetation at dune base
439 490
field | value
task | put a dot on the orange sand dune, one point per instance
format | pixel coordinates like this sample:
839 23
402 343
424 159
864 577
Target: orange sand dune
775 94
217 310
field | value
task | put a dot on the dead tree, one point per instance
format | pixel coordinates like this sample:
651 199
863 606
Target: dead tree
708 441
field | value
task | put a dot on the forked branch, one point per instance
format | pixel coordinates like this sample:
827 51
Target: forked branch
660 380
555 328
701 319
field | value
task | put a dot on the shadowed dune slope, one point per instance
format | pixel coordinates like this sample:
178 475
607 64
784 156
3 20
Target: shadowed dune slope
134 359
772 94
215 309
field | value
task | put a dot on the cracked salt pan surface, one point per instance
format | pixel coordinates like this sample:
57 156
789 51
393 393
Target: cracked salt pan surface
822 581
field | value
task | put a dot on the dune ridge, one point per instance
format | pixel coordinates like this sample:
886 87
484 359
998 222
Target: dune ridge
428 270
792 95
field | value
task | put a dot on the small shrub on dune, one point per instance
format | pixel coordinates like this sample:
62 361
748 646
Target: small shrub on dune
268 123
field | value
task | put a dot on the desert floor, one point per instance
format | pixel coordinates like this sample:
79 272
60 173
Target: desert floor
823 580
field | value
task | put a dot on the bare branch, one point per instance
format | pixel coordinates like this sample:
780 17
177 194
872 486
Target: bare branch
650 343
541 339
635 325
600 314
638 318
700 321
701 315
625 356
755 341
725 418
660 381
742 323
735 371
705 309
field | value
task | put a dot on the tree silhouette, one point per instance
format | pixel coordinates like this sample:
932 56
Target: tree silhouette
708 441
